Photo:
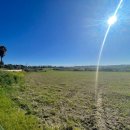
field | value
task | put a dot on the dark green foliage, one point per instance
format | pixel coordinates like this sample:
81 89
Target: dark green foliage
9 79
2 53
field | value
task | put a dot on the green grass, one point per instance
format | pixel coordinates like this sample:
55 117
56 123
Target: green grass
64 100
116 99
11 116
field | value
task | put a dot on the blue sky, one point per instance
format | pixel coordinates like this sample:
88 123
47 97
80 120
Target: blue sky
63 32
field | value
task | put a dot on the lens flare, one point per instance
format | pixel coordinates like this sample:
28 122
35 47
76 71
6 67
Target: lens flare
112 20
98 92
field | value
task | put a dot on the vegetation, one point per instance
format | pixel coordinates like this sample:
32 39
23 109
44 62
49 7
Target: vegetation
112 68
63 100
7 79
12 117
2 53
116 99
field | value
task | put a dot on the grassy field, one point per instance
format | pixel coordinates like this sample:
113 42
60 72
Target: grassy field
116 99
56 100
12 117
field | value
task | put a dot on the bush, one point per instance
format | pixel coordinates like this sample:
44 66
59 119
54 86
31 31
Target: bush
10 78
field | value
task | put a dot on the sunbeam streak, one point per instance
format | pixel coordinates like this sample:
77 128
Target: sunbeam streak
102 46
100 54
98 91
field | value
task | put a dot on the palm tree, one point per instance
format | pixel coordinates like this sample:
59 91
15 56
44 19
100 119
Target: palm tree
2 53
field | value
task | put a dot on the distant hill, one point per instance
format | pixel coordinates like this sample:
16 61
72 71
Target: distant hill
113 68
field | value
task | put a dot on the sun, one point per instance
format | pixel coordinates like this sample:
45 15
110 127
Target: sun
112 20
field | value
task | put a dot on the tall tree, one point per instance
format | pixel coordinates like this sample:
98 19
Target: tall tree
2 53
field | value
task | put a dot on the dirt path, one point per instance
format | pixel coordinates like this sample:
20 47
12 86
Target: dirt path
19 70
100 112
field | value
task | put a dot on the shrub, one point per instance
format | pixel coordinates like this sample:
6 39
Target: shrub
10 78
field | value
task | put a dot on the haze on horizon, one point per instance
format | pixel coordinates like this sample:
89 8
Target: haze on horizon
67 32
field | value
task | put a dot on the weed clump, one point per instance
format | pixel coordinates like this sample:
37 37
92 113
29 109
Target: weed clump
9 78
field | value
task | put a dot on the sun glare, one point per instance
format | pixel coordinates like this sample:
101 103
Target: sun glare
112 20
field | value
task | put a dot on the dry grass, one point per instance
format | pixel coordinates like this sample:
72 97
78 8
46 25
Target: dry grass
61 99
65 100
